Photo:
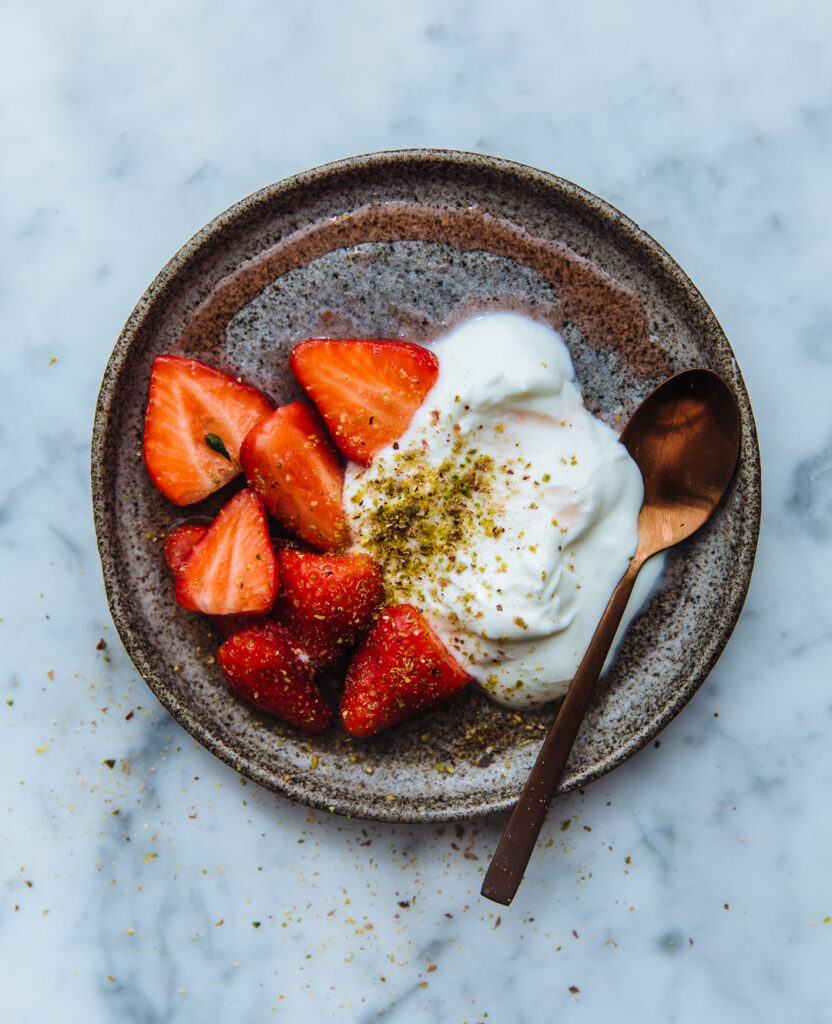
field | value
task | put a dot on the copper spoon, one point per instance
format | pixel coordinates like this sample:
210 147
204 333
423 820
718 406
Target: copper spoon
685 439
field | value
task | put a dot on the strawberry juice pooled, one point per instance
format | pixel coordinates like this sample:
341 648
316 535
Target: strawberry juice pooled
507 512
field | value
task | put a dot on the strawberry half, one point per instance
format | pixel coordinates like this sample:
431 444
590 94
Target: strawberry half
289 460
181 541
366 391
195 422
232 569
179 544
402 668
265 665
327 601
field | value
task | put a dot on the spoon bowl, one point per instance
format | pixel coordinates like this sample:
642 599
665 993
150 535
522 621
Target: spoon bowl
685 439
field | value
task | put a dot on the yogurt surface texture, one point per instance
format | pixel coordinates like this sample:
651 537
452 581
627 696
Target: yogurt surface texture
507 512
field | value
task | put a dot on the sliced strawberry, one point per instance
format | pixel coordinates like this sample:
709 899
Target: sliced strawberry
232 569
290 461
195 423
265 665
402 668
179 544
328 601
366 391
181 541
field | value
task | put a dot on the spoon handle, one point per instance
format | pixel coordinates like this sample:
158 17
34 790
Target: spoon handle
515 848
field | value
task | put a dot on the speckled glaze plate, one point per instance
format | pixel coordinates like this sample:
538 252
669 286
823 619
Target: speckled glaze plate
403 245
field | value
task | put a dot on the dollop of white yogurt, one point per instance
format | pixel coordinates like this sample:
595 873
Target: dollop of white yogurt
507 512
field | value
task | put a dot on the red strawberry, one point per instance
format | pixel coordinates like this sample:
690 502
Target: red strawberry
400 669
181 541
327 601
366 391
290 461
232 569
195 423
265 665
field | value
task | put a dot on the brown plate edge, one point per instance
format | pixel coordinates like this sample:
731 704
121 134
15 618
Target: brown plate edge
429 811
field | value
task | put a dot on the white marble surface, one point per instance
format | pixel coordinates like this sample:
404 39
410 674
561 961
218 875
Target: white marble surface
693 882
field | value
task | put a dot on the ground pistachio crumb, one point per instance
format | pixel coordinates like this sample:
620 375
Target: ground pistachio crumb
419 513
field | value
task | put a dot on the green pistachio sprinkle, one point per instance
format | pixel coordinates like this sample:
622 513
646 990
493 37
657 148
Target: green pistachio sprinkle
421 513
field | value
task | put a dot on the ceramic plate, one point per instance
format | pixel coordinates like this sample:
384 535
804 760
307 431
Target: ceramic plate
403 245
